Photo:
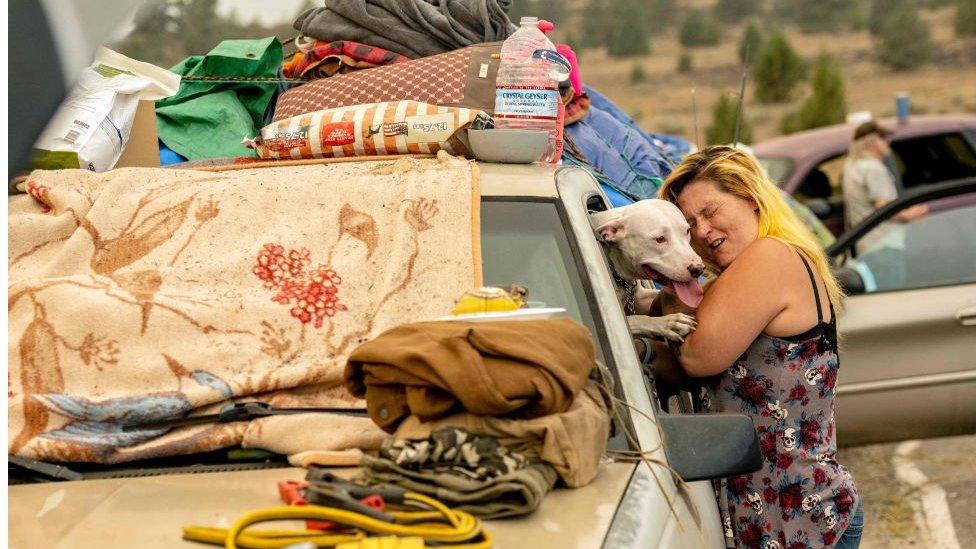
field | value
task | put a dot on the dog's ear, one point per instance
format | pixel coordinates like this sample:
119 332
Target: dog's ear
611 231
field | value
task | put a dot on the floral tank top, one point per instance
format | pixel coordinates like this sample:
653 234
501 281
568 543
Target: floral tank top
801 498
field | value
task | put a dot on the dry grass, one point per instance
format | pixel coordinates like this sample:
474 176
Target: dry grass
664 101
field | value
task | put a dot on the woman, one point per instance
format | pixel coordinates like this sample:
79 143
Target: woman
767 333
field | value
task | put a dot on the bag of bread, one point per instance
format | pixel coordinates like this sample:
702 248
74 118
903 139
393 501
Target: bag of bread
395 127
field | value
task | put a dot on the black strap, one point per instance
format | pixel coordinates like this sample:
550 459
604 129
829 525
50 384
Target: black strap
816 292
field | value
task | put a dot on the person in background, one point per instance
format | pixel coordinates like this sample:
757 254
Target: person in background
767 342
869 184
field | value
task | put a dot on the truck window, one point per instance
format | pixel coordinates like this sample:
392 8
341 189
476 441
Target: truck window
524 242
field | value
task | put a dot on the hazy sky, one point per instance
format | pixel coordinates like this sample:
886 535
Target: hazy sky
266 12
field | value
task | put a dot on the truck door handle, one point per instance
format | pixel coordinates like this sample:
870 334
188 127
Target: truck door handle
966 316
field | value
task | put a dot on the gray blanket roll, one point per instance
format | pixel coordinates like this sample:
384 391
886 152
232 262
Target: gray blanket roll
414 28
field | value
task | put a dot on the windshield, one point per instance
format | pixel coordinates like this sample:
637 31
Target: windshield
524 242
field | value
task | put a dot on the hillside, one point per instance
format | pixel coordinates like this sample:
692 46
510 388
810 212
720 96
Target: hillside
663 101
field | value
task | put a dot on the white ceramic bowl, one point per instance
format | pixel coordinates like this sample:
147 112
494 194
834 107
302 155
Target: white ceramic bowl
508 146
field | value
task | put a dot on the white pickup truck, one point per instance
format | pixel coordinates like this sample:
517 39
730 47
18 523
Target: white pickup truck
536 232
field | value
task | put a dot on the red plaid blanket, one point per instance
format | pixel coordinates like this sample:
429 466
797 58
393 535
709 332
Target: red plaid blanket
328 58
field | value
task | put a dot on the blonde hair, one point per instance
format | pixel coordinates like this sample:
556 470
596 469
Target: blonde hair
740 174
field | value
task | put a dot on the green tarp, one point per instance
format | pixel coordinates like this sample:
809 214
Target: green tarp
209 119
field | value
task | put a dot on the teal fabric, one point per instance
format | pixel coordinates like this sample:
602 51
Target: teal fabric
209 119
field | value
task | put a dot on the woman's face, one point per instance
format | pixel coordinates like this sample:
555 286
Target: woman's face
722 224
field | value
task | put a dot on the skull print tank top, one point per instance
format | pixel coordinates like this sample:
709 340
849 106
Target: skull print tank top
801 497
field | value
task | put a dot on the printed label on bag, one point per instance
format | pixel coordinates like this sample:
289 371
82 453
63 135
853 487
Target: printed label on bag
393 129
526 103
336 134
430 128
286 139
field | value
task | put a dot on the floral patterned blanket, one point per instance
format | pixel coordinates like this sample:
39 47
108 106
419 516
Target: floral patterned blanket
140 295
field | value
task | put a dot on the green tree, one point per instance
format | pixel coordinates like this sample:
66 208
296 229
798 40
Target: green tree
550 10
733 11
596 24
827 105
879 11
659 15
628 33
167 31
816 15
637 74
699 30
750 42
684 63
905 41
777 69
722 128
965 17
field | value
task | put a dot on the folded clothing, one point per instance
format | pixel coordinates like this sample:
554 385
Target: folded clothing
573 442
450 449
414 28
321 59
672 146
527 368
517 493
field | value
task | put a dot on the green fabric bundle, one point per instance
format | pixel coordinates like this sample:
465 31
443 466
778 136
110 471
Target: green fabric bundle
209 119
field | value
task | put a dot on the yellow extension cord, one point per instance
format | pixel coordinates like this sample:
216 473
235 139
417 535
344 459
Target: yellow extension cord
443 525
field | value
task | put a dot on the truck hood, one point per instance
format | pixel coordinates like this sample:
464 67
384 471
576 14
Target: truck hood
151 511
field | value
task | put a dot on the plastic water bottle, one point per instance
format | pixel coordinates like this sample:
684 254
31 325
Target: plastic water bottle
526 88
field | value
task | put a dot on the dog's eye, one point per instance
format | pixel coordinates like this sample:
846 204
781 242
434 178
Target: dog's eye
660 240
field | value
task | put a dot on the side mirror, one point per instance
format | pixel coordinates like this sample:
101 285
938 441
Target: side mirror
706 446
850 280
819 206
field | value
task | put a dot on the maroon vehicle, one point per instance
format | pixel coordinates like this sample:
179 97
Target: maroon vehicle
926 149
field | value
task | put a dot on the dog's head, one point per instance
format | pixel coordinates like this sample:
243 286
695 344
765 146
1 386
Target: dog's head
650 240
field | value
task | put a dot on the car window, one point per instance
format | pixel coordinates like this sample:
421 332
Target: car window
934 158
821 192
936 250
524 242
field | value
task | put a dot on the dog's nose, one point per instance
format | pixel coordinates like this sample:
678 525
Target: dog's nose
695 270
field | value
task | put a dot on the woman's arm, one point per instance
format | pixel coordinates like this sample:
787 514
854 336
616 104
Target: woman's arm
747 296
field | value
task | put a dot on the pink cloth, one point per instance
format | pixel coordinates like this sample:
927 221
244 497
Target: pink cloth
574 73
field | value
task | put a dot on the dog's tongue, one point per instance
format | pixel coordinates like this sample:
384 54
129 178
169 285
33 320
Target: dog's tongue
690 293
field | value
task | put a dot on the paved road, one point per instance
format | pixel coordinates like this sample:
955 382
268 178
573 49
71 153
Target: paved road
918 494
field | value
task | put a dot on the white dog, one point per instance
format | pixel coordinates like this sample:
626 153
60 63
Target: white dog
650 240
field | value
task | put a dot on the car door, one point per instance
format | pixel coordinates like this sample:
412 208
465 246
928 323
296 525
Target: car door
908 338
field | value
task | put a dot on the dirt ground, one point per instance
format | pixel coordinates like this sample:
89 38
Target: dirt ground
899 515
663 102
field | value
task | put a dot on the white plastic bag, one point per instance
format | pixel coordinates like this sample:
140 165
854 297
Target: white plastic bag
94 121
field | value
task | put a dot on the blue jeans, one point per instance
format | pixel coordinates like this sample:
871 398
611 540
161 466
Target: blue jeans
851 538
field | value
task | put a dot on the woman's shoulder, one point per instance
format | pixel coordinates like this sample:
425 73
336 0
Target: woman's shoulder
766 251
759 267
764 262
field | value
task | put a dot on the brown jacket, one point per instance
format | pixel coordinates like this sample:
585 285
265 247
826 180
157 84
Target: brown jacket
526 368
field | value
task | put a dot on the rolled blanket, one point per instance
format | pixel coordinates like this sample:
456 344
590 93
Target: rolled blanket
414 28
525 368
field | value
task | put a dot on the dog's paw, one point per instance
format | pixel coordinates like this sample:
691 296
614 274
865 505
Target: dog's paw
676 327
